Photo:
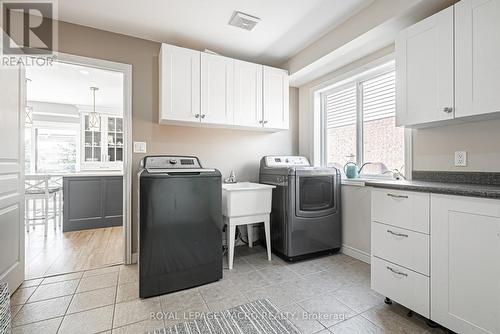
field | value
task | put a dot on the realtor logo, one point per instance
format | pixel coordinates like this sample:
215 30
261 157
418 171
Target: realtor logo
29 28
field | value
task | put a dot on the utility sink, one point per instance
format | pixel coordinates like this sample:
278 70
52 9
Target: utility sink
246 199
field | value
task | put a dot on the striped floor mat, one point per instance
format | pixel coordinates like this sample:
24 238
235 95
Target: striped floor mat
259 317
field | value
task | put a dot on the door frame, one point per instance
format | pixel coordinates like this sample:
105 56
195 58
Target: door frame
126 69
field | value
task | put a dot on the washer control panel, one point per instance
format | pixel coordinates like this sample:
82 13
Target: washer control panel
167 161
286 161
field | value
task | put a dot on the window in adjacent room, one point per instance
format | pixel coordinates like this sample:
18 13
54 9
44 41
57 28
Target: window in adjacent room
359 123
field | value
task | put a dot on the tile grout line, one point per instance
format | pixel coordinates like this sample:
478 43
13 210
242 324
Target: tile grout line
324 327
69 304
364 317
114 305
67 308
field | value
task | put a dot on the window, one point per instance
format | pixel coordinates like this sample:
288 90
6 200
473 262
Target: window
56 150
359 123
51 148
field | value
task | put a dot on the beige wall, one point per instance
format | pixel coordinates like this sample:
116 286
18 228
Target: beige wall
219 148
434 148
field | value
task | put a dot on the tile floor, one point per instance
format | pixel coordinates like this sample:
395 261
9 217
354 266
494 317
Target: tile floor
326 295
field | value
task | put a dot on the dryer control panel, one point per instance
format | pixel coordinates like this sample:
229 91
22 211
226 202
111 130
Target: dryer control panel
286 161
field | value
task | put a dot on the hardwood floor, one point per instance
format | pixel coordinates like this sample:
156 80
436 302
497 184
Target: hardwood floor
60 253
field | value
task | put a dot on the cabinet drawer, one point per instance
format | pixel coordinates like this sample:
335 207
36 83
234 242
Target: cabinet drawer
405 209
404 247
404 286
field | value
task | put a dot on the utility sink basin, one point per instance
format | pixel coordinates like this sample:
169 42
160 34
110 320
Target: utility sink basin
246 199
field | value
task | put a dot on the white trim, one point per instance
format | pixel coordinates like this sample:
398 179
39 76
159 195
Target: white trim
356 253
356 74
126 69
315 100
362 73
135 257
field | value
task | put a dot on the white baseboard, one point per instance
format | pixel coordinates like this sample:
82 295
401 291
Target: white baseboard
134 258
356 253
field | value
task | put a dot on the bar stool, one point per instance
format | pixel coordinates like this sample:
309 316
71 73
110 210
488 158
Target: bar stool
37 187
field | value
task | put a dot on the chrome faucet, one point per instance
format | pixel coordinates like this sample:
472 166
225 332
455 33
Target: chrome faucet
231 178
396 174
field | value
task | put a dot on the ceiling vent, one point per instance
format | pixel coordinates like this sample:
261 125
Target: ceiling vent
244 21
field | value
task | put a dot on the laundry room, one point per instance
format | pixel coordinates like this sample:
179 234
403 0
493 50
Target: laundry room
283 166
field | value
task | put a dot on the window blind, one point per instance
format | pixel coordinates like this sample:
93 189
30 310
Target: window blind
340 107
379 97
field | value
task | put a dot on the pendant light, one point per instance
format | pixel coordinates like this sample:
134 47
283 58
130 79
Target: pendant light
94 119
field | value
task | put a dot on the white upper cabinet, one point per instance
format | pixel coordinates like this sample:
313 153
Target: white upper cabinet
424 69
204 89
447 65
477 33
179 84
217 89
465 263
276 104
247 94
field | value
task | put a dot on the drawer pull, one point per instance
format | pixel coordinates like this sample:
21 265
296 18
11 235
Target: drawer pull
397 196
397 234
396 272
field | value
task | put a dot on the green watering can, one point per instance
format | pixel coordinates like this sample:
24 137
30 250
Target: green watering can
351 170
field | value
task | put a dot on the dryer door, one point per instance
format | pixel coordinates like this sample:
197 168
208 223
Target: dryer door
316 195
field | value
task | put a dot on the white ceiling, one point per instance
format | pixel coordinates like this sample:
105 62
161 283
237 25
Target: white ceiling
70 84
286 26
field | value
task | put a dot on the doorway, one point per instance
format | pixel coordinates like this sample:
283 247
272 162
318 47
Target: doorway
77 166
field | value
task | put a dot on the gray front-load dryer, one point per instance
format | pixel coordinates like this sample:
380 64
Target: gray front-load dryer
305 217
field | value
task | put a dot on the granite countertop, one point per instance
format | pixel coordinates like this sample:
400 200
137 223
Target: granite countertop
460 189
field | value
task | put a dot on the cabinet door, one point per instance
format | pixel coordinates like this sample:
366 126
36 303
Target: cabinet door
92 151
424 70
465 263
247 94
179 84
217 84
477 29
276 103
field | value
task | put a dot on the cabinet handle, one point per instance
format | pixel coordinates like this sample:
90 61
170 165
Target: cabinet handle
448 110
397 234
265 122
197 115
260 122
397 196
203 115
396 272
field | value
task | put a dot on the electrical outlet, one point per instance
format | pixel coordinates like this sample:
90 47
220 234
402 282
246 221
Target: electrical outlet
460 159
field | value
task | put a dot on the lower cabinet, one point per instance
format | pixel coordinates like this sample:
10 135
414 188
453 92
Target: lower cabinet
465 263
92 202
451 275
400 247
405 286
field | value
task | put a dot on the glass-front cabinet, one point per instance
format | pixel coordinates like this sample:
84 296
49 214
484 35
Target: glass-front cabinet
102 145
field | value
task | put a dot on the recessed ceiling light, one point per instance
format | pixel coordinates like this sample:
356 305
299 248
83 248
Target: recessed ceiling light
243 21
84 72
